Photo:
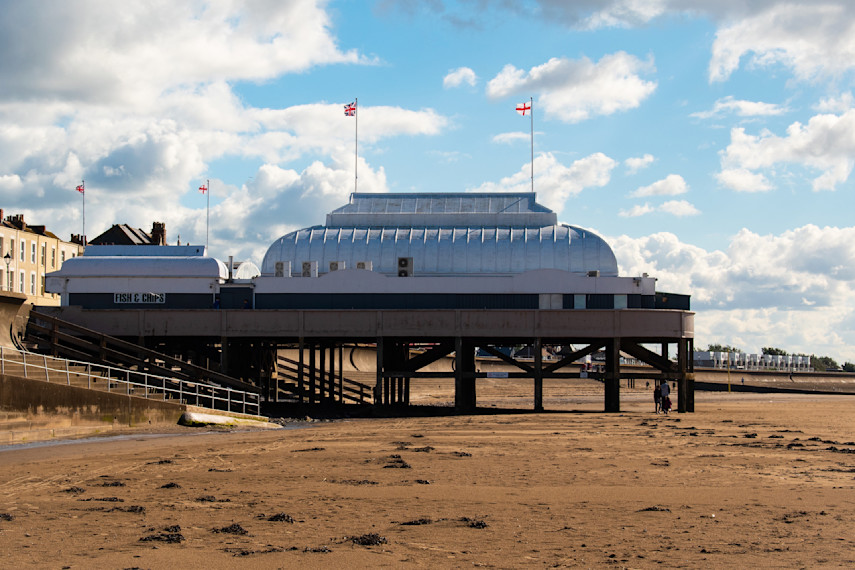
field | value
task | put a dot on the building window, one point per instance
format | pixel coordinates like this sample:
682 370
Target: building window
1 247
62 256
23 279
32 252
23 252
52 257
42 290
44 254
12 248
32 283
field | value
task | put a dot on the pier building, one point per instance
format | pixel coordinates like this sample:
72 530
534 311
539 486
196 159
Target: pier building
451 273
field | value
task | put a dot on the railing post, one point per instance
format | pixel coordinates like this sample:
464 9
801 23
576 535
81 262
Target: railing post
47 375
67 374
2 361
24 358
89 376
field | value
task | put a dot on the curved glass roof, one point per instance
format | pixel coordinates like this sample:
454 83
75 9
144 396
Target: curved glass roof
445 234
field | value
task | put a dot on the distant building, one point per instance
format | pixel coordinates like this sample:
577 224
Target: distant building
32 252
123 234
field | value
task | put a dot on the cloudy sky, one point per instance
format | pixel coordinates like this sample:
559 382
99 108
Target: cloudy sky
711 142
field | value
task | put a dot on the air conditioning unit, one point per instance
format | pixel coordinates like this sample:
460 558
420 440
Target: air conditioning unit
283 269
367 265
405 267
336 265
310 269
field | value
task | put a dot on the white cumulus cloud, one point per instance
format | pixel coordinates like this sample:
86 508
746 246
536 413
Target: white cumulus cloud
130 53
508 138
634 164
576 90
797 287
671 185
741 108
812 38
458 77
636 211
555 182
826 144
678 208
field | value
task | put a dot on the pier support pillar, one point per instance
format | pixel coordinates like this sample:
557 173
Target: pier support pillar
686 378
465 399
378 385
301 375
611 380
538 375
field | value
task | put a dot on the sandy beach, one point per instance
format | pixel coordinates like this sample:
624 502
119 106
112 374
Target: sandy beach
750 480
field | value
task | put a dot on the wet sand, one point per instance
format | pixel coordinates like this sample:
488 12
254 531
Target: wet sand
747 480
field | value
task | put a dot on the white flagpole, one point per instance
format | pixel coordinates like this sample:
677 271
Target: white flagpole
83 185
531 114
208 213
356 144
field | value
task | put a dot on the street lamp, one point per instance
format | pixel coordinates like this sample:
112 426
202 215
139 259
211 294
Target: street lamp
8 259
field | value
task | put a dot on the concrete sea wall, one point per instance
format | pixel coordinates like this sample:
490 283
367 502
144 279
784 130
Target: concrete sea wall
34 410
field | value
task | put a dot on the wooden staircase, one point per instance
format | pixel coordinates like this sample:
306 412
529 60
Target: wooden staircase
317 387
61 338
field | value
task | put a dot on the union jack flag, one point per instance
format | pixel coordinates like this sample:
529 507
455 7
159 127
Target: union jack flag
350 109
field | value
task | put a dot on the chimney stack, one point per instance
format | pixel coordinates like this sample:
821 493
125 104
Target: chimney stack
158 233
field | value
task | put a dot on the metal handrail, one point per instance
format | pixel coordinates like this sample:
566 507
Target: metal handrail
149 385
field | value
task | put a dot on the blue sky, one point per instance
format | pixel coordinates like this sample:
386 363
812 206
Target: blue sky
710 142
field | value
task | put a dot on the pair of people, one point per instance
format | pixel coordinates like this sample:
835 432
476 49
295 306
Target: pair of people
661 397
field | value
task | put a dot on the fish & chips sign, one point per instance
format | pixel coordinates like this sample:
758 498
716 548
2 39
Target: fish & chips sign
149 298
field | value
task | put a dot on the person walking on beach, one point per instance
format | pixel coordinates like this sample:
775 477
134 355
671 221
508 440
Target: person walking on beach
657 396
665 390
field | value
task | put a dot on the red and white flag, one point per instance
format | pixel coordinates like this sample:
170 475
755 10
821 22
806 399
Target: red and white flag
522 108
350 109
203 188
81 189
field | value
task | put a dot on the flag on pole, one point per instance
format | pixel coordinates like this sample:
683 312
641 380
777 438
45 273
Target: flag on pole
81 189
350 109
203 188
523 107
